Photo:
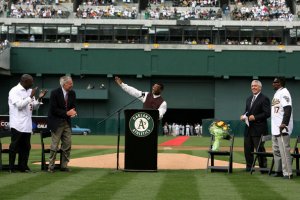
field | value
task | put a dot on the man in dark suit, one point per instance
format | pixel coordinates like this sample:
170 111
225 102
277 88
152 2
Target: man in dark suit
62 108
258 110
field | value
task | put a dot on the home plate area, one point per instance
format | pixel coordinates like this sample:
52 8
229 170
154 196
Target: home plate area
164 161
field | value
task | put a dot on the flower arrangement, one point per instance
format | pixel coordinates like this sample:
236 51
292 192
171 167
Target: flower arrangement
220 130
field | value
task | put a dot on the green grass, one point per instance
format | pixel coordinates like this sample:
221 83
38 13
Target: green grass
102 184
112 140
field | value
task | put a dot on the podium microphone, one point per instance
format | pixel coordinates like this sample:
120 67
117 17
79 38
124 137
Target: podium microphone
119 110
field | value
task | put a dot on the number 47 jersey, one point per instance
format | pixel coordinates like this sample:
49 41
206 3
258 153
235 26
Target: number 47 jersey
281 99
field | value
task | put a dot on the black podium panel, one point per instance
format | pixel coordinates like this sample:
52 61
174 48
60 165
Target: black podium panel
141 127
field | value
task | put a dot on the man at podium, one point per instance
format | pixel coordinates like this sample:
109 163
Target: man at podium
151 100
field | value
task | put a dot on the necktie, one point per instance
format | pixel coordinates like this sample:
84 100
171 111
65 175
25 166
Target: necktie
253 99
66 101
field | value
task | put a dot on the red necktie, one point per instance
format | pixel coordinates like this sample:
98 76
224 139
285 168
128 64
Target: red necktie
66 101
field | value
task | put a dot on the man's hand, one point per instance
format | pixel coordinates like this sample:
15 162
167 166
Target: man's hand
251 118
72 113
282 127
33 91
118 80
43 93
242 117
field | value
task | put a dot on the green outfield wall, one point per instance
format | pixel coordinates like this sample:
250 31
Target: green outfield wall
170 62
193 79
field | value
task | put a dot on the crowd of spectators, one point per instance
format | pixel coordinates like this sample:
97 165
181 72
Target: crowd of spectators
184 14
203 41
257 41
98 2
38 12
262 10
259 10
106 12
194 3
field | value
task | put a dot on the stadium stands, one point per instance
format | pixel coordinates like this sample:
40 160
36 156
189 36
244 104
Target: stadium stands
203 22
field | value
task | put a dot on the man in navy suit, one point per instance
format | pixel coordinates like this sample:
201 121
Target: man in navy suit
62 108
258 110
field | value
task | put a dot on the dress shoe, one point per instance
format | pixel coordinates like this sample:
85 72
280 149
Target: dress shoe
288 177
264 172
65 169
26 171
277 174
248 169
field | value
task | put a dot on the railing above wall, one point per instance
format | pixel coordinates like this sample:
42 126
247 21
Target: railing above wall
91 94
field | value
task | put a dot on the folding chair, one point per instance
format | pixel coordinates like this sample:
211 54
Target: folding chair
44 165
228 153
295 154
259 154
3 134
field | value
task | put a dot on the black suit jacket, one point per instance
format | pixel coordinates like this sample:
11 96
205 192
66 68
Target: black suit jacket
57 110
261 109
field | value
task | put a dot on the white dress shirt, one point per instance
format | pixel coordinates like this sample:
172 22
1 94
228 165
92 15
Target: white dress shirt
20 108
139 94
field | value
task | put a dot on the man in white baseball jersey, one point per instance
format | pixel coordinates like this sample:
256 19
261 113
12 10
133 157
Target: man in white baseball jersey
282 128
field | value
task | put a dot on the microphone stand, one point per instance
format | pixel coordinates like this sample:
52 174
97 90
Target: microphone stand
119 124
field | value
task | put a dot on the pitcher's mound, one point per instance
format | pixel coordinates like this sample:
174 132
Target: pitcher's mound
164 161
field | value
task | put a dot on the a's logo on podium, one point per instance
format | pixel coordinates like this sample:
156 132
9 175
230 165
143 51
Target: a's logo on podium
141 124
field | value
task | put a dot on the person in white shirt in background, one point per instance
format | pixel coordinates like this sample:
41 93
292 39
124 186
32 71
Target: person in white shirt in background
166 129
187 129
21 101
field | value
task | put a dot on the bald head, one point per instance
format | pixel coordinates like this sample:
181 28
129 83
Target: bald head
26 81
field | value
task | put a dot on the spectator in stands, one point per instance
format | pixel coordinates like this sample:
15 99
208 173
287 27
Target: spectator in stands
32 38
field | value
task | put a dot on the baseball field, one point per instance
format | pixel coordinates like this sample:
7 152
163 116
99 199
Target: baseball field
98 182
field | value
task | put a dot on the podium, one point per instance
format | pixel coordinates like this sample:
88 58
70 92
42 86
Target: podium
141 127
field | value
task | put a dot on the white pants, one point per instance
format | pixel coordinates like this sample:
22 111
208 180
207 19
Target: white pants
282 156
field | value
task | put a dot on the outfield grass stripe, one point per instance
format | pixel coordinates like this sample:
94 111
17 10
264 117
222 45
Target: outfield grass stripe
179 185
7 179
104 187
77 153
61 186
215 186
254 187
143 186
26 186
281 186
